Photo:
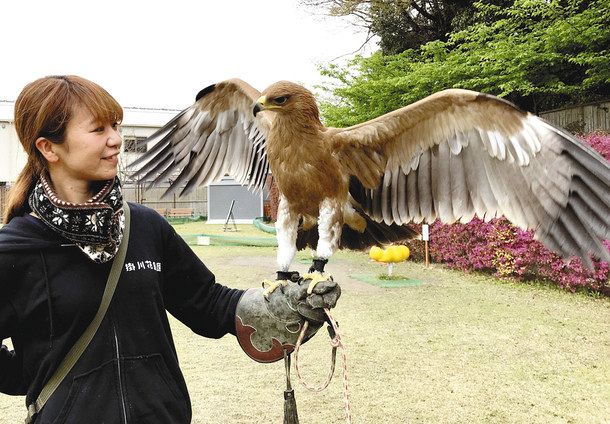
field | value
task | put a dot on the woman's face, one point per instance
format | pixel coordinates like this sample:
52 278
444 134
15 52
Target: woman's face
90 151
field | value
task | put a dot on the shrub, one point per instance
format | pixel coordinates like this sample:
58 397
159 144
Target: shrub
600 142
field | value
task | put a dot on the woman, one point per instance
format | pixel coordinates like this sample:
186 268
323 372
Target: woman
65 223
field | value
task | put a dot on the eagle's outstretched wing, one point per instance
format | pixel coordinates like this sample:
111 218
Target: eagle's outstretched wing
217 135
459 153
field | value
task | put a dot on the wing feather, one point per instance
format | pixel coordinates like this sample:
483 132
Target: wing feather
458 153
400 204
151 168
212 163
413 206
460 198
217 135
158 170
424 187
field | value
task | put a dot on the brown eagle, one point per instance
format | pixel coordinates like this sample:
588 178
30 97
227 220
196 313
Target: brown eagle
450 156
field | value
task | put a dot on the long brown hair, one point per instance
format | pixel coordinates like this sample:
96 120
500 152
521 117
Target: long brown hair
43 109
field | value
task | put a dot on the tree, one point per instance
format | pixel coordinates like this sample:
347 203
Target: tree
539 54
405 24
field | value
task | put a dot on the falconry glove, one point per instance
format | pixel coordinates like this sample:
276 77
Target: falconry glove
310 304
267 324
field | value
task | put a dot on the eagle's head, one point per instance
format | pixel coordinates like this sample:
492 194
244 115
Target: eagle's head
288 98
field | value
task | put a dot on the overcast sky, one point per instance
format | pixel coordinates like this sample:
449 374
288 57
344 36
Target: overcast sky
161 53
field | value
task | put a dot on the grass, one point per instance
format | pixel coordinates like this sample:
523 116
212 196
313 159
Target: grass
393 277
386 281
458 348
246 234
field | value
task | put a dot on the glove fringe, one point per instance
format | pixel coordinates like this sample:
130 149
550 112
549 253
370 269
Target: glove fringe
290 403
290 408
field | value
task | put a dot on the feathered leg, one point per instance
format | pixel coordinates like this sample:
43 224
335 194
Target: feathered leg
330 223
286 226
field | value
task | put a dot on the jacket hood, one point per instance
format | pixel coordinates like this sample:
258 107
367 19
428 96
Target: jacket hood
28 233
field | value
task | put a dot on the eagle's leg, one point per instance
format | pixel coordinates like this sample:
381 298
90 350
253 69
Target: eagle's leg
330 223
286 226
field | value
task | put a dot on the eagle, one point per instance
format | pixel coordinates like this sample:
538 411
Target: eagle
450 156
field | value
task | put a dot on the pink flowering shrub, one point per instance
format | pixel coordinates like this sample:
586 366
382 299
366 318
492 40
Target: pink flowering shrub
600 142
500 248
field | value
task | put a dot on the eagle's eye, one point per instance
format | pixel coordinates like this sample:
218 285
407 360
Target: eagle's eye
280 100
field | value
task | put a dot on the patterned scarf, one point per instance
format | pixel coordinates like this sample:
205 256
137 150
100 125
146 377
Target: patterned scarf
95 226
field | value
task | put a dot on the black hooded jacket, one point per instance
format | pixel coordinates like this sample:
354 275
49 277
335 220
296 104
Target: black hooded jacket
49 293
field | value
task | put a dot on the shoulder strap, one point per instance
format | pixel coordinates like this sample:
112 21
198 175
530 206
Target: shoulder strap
81 344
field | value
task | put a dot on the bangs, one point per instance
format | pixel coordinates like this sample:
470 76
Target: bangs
100 103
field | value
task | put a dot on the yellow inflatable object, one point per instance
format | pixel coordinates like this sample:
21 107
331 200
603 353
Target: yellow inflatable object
404 251
376 253
386 257
394 254
391 254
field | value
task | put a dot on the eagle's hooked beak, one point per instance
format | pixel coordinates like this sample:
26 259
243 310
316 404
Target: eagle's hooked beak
259 105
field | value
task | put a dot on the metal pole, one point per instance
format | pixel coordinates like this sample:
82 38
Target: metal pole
427 254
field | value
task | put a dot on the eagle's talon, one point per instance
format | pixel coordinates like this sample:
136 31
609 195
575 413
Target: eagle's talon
270 287
315 277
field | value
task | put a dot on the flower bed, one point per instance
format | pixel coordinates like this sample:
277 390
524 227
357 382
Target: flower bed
504 250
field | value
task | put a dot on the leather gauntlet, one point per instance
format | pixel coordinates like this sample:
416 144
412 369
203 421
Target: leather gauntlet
268 325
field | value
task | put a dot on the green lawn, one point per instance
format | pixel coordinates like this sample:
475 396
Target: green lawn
456 348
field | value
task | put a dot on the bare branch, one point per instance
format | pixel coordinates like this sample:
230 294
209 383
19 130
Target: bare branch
422 10
369 36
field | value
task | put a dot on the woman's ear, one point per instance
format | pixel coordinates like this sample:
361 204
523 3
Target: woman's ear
47 149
